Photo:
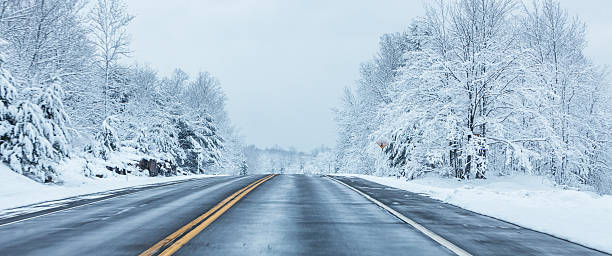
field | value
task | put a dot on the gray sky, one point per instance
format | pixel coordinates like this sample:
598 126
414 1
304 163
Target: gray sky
284 64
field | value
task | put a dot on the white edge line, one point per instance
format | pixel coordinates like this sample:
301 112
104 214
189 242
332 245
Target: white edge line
77 206
456 249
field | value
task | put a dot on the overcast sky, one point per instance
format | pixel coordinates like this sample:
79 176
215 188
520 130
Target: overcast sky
284 63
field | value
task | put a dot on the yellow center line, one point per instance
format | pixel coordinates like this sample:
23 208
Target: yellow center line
169 239
186 238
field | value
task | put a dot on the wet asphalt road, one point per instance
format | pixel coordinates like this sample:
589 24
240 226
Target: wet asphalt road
475 233
287 215
123 225
309 215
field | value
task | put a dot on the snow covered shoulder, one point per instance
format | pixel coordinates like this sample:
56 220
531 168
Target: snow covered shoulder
530 201
17 190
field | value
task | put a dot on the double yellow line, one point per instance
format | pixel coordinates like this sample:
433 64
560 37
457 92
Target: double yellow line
172 244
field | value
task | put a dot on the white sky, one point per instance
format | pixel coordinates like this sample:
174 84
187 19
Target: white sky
284 63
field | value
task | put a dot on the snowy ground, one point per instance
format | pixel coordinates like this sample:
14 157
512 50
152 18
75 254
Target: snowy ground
529 201
17 190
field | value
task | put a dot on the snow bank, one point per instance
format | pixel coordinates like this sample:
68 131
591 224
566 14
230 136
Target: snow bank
529 201
18 190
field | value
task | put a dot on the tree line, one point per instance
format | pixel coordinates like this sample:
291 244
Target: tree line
477 88
65 91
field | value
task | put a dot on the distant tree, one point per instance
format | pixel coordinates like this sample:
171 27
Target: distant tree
244 168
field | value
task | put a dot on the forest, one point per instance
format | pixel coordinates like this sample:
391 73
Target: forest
480 88
67 92
469 90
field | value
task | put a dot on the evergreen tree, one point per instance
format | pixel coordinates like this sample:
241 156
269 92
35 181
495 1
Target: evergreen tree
50 102
7 99
107 139
33 135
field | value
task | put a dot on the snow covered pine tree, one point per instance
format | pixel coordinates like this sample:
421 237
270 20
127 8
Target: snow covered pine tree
33 134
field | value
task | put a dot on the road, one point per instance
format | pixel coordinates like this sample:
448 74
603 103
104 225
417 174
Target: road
269 215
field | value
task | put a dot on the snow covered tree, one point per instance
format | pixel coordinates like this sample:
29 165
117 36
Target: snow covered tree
175 117
46 37
54 45
574 98
201 143
478 56
232 154
34 136
358 117
47 40
27 150
482 86
110 37
353 140
244 168
8 94
107 140
463 77
50 102
162 139
204 94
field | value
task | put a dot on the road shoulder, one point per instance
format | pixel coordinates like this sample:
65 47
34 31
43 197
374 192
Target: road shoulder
476 233
38 209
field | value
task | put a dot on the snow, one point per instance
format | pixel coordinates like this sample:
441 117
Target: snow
530 201
17 190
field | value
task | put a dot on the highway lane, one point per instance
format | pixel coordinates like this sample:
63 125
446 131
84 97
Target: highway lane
285 215
124 225
308 215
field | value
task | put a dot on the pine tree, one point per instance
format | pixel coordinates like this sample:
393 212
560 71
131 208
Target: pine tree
7 108
244 168
107 139
34 134
50 103
7 98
